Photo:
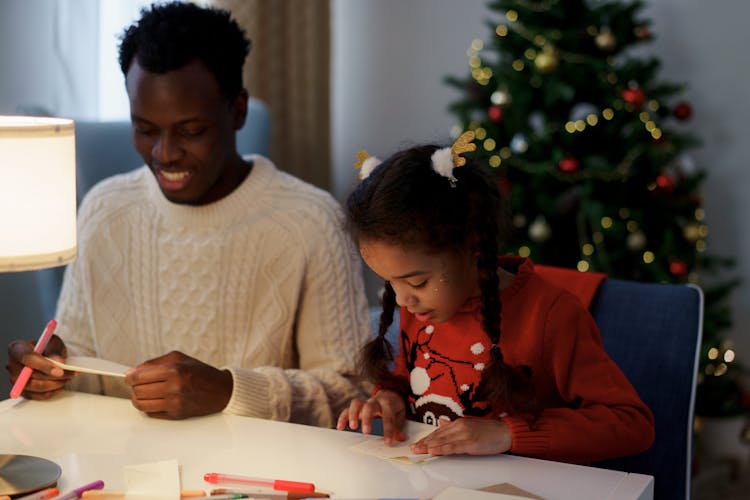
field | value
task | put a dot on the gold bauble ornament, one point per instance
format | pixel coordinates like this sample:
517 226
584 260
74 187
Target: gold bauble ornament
546 61
605 40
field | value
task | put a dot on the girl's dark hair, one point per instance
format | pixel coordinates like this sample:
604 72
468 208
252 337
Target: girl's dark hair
405 202
170 35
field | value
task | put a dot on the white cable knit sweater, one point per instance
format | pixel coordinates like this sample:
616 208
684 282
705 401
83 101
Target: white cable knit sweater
263 282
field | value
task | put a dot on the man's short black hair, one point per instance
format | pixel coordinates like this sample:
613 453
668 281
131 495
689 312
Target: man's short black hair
170 35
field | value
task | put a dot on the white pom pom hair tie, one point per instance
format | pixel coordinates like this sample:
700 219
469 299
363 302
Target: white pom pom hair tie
366 164
443 160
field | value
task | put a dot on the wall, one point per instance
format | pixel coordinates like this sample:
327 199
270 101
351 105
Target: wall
390 57
48 57
389 61
704 44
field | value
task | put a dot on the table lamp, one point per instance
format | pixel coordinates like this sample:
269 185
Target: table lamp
37 192
37 230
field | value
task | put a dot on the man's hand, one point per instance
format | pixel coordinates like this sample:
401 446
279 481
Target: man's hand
388 405
473 436
176 386
46 379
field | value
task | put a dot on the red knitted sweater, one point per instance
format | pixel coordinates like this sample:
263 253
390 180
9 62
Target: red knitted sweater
590 410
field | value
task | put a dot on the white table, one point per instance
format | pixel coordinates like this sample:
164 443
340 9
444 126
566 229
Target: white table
93 437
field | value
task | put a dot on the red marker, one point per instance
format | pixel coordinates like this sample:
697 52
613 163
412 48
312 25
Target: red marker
25 374
276 484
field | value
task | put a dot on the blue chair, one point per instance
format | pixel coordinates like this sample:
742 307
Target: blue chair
104 149
653 332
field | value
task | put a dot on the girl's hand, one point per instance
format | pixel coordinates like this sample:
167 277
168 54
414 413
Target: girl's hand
466 435
388 405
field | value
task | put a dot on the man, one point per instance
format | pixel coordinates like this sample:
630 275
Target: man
213 256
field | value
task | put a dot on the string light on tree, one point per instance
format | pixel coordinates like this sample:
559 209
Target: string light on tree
695 232
605 40
547 60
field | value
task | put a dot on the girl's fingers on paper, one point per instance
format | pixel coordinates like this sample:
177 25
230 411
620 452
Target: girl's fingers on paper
469 436
393 413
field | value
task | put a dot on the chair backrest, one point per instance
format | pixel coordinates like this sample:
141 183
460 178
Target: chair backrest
653 332
104 149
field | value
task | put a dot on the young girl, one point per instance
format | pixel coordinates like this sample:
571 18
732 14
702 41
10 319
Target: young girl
490 353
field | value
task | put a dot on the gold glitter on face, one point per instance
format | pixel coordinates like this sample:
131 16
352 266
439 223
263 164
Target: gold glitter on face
426 283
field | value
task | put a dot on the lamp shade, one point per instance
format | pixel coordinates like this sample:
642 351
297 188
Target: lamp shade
37 192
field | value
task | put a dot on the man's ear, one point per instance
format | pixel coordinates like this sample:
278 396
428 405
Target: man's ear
239 108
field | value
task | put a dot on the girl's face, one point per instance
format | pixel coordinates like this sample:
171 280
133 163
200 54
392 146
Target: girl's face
432 286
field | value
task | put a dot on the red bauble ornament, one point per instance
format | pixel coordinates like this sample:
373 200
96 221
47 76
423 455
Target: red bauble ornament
665 182
495 114
642 32
504 185
634 96
569 164
678 268
682 111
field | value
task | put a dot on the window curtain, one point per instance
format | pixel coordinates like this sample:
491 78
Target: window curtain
289 69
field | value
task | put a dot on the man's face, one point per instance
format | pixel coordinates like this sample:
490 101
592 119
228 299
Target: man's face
185 131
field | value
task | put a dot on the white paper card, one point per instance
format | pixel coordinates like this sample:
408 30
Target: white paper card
376 447
157 480
86 364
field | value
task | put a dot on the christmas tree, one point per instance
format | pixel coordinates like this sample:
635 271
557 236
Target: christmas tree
591 148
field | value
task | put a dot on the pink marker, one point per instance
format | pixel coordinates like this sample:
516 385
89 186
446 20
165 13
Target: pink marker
23 377
276 484
78 492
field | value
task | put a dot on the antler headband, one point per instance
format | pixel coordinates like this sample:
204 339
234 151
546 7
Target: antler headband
443 160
